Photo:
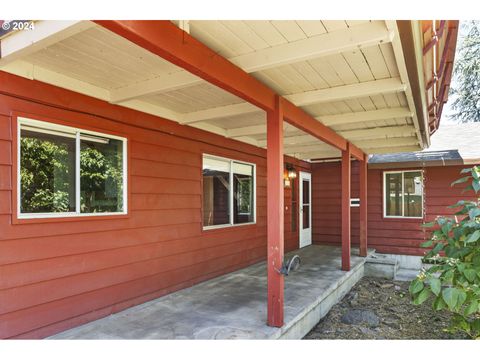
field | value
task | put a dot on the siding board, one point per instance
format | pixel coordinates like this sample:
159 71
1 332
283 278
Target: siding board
55 275
397 236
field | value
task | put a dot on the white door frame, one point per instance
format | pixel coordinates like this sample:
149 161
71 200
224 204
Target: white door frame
304 235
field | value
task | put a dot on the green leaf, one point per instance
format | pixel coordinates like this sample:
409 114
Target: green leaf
461 180
466 171
471 308
435 285
450 296
476 185
446 228
422 296
439 304
462 297
470 274
473 237
415 286
473 213
438 247
426 244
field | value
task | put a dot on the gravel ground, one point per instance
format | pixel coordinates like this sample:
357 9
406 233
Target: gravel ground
381 309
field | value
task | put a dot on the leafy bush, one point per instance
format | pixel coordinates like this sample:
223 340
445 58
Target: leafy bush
454 277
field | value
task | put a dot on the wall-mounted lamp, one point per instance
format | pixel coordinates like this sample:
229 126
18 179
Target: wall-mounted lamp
289 174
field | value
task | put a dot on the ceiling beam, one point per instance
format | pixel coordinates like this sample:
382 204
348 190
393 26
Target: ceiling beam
379 132
219 112
365 116
338 93
346 92
293 140
257 130
368 34
46 33
392 149
356 152
378 143
319 146
301 120
318 154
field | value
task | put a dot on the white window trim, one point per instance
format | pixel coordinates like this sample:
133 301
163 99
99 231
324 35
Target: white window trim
22 121
384 196
254 206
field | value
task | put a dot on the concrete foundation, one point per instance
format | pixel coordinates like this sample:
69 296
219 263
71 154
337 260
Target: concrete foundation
234 306
381 267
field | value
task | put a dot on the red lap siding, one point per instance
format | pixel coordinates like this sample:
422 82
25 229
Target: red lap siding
57 275
396 236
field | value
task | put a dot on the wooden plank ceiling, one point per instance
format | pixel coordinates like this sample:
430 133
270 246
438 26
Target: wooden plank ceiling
349 75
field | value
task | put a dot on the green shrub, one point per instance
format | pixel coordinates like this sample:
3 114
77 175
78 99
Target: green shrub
454 277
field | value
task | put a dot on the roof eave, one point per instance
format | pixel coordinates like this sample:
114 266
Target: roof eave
411 39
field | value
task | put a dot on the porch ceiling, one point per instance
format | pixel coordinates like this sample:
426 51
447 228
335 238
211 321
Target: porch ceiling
349 75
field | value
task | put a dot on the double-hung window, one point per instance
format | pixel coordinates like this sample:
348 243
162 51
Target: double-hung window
403 194
228 192
65 171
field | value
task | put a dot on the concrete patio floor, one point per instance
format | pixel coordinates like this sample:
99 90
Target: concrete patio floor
234 306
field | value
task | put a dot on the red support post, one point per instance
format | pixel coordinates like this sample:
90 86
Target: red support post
275 244
346 177
363 207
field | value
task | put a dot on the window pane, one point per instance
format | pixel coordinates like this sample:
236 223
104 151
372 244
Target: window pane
101 174
216 188
412 193
243 193
306 192
393 189
47 172
306 217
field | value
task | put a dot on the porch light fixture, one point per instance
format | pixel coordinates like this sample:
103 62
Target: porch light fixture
291 173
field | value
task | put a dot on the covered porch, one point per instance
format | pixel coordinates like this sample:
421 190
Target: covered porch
232 306
284 90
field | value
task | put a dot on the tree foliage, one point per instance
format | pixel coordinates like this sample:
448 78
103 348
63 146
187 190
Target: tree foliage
466 89
47 171
45 176
454 278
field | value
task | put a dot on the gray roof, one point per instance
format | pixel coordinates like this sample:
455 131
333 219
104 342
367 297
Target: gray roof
451 144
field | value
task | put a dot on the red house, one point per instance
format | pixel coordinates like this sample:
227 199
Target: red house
138 158
404 191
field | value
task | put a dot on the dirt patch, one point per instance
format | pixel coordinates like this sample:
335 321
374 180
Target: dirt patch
381 309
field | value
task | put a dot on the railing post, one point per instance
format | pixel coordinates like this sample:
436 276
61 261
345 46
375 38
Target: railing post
363 206
346 233
275 281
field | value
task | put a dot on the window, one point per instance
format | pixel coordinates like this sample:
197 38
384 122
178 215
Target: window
403 194
65 171
228 192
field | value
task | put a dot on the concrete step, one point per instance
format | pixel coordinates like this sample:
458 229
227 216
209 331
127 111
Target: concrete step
379 266
406 274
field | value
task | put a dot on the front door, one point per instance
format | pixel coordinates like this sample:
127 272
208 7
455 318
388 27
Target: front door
305 210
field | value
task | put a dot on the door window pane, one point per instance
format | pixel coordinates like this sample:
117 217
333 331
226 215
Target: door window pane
412 193
306 192
306 217
393 196
243 193
101 174
47 172
216 188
